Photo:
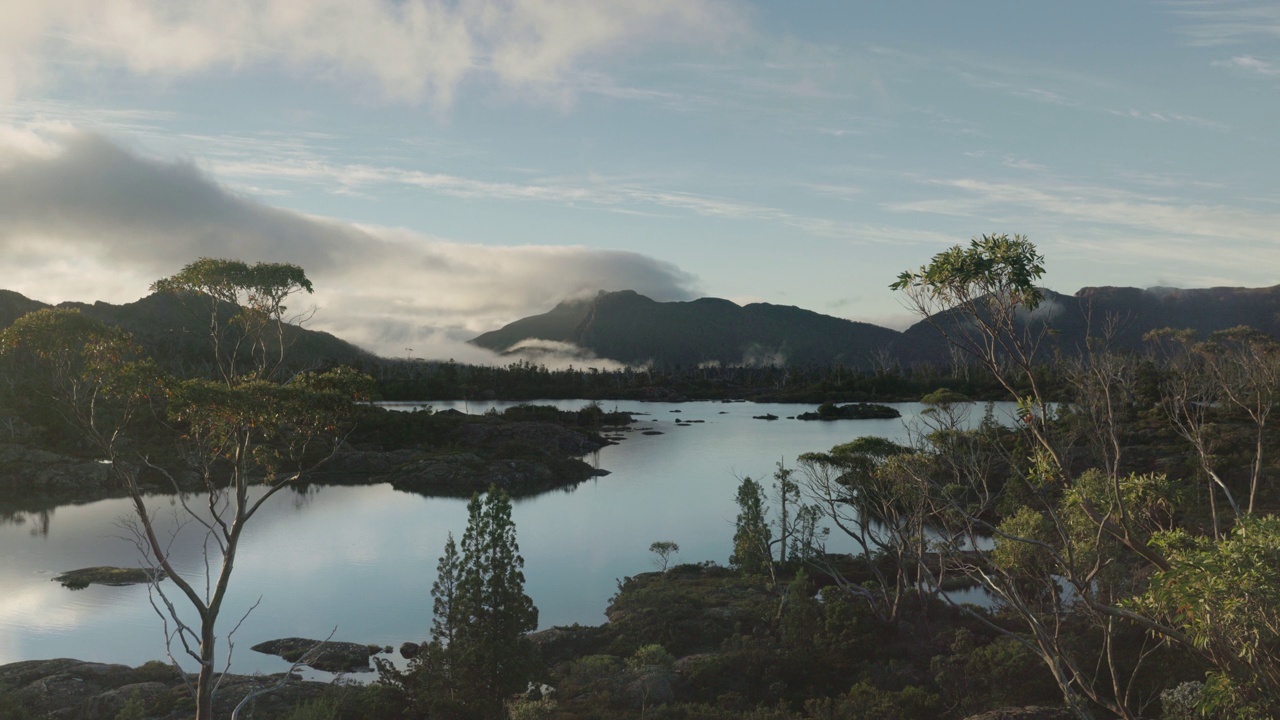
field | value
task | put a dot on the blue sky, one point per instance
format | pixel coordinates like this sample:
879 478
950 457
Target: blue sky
442 167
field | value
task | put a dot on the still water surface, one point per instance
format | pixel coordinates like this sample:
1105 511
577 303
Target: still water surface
363 558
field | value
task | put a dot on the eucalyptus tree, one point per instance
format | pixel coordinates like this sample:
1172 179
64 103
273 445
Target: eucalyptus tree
243 307
246 436
1043 530
854 488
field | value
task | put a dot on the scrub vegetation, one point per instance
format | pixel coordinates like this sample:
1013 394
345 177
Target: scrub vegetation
1112 553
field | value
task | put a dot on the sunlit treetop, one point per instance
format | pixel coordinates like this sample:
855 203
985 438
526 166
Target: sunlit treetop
992 265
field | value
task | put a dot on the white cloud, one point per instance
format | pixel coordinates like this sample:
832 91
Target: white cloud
615 194
1113 227
1168 216
410 50
1251 64
83 219
1213 22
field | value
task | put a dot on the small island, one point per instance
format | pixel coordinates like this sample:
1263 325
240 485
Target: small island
112 576
852 411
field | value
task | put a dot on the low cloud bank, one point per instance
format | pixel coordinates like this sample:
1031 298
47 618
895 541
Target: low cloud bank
82 218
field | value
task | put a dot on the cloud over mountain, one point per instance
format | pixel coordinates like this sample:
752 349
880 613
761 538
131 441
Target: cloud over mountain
83 218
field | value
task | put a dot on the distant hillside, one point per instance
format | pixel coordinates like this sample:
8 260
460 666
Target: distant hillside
631 328
173 335
14 306
1132 312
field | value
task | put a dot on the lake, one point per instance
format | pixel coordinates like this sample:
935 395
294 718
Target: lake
362 559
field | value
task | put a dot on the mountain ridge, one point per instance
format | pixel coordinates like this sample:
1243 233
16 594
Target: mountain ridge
627 327
169 331
630 328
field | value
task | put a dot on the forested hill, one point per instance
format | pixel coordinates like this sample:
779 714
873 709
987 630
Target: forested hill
175 335
632 328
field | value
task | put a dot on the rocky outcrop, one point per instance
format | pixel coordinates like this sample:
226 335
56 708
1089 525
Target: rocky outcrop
31 472
113 576
852 411
462 473
546 437
327 655
66 689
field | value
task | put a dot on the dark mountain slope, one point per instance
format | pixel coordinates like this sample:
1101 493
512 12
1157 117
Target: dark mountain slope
14 305
1131 312
557 325
173 334
632 328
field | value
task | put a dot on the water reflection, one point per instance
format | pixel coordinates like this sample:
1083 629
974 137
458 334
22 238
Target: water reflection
363 557
38 519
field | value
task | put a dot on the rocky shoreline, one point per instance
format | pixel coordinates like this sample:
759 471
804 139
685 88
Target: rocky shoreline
68 689
449 454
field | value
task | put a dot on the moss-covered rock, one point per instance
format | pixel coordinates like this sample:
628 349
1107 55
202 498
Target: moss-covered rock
112 576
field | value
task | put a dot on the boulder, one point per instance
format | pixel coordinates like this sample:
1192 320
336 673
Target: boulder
329 656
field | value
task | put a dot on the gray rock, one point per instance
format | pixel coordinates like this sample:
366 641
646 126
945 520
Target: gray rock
329 656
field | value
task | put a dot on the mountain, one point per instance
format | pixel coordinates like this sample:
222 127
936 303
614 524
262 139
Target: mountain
631 328
175 336
1127 313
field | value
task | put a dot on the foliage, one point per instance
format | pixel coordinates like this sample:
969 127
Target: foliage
479 652
133 709
245 309
523 709
1225 595
348 702
1182 702
663 550
446 608
991 265
245 430
975 675
867 702
752 536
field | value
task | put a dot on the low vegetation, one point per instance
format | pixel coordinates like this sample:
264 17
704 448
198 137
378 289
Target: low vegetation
1119 538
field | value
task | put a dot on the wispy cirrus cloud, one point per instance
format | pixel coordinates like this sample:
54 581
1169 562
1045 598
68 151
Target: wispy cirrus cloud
1210 23
605 193
1250 64
409 50
1171 117
1167 215
1199 242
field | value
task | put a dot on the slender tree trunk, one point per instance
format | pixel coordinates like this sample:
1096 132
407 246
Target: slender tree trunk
204 684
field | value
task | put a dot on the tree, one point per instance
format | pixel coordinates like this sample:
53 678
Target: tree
244 308
663 550
859 487
752 537
788 494
444 591
1225 594
480 650
247 436
984 301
